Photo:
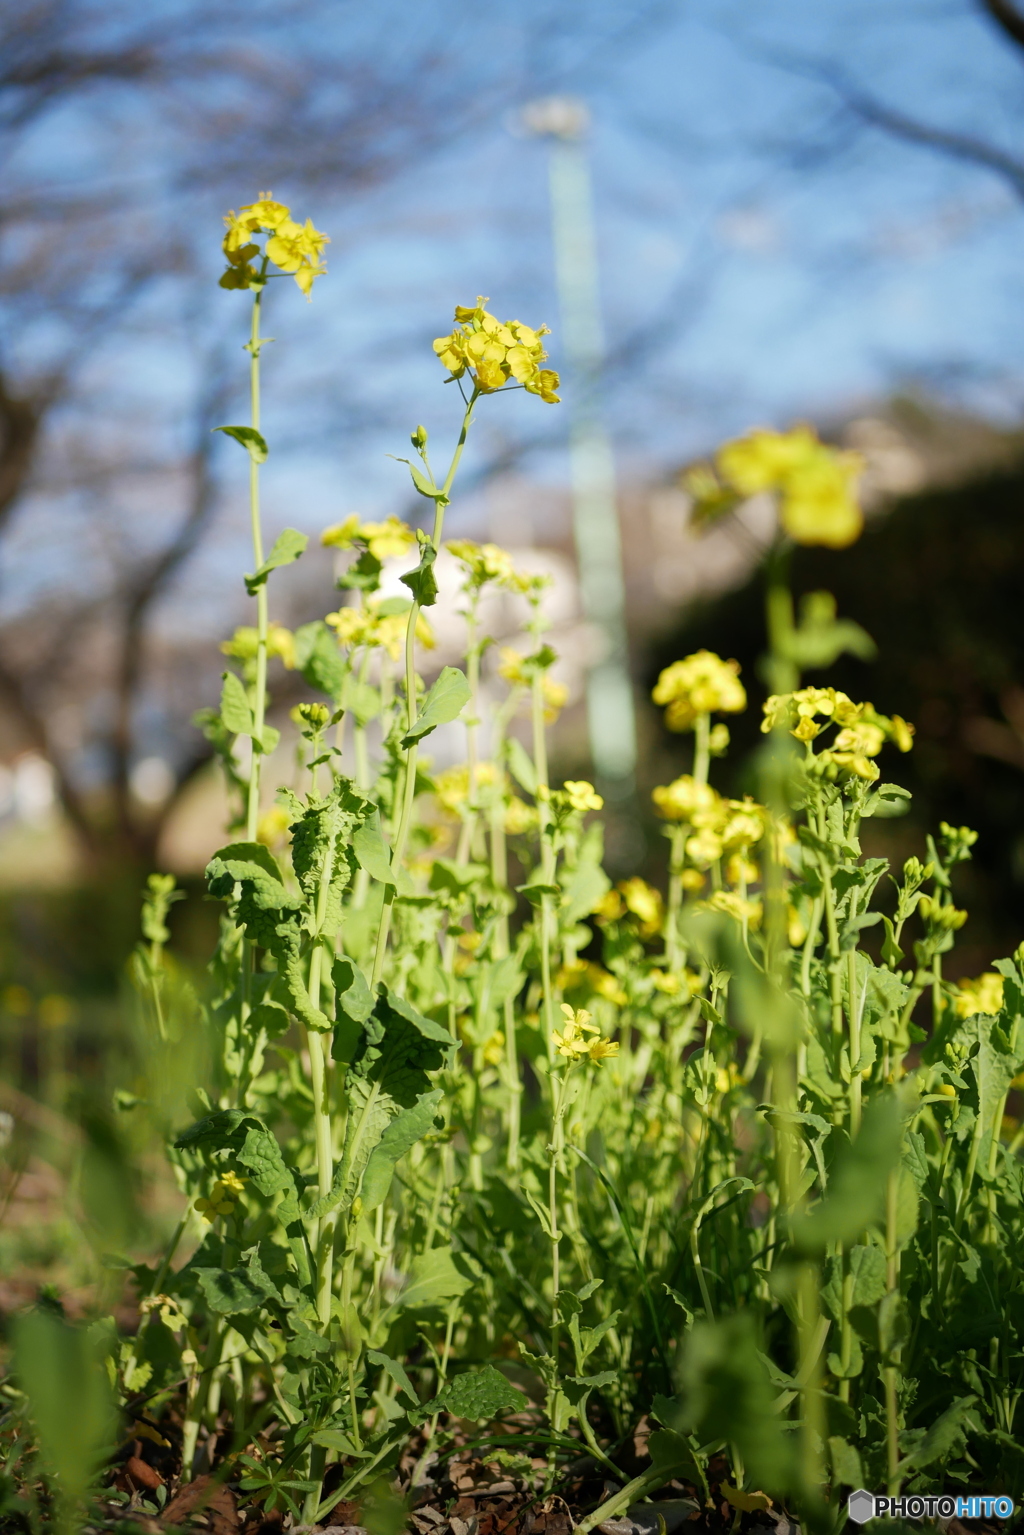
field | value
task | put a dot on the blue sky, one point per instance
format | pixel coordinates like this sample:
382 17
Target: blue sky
763 256
780 260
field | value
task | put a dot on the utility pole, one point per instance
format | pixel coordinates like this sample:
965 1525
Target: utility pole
611 720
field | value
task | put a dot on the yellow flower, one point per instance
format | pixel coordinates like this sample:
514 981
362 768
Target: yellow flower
902 733
494 1048
701 684
982 995
222 1197
704 848
365 626
243 644
486 562
451 786
610 907
816 484
735 906
496 354
745 824
864 738
604 984
602 1050
644 902
582 796
684 799
272 826
671 984
519 816
741 870
293 248
385 540
692 879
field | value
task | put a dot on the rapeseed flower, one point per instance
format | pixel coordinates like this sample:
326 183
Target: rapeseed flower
296 249
573 1043
701 684
582 796
982 995
685 799
861 737
451 787
513 668
495 353
385 540
366 626
223 1197
244 643
487 562
815 484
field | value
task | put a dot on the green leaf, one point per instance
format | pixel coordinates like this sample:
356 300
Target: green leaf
422 582
481 1394
887 801
455 878
250 439
353 994
520 765
726 1395
61 1371
400 1136
372 852
231 1292
942 1436
334 1439
867 1265
235 709
433 1277
444 702
846 1466
396 1372
288 545
319 660
535 892
857 1181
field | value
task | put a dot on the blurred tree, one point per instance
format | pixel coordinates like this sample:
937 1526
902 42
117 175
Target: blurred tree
125 132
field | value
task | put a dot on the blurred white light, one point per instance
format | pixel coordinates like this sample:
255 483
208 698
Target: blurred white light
33 788
152 781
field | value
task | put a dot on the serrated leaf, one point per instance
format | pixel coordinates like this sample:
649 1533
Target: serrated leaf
230 1292
235 709
481 1394
250 439
288 545
400 1136
444 702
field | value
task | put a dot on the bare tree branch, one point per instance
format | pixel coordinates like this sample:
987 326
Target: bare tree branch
1008 18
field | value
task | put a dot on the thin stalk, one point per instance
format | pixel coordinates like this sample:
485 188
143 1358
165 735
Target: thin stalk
409 796
260 689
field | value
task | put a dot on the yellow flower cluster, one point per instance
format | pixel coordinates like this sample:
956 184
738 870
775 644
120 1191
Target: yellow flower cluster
243 644
720 825
223 1197
513 670
637 898
862 734
366 626
701 684
385 540
293 248
584 973
573 1042
982 995
815 484
451 787
488 562
494 353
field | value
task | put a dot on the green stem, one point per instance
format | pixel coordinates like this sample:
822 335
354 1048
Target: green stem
409 797
260 693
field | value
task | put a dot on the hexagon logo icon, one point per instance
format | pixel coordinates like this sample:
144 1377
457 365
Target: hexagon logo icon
861 1506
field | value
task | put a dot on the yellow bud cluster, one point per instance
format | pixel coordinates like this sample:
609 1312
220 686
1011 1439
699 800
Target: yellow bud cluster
495 354
934 912
815 484
296 249
701 684
512 668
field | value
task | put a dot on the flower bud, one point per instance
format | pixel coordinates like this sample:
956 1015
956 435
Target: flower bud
418 438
